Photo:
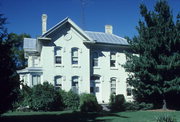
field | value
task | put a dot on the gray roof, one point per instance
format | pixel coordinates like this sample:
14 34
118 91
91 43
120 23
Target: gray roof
101 37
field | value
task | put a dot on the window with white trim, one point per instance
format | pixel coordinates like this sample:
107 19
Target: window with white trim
129 91
58 55
36 79
95 81
75 84
74 53
58 82
112 59
113 85
95 59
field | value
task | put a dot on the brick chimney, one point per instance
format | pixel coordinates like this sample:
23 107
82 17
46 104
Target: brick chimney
44 23
109 29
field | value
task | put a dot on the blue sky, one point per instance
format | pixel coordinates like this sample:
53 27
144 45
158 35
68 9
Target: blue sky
24 16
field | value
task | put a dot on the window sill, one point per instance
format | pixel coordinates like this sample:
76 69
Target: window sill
96 68
113 68
59 65
76 66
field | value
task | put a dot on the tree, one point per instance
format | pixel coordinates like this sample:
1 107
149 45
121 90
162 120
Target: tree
9 79
17 49
154 65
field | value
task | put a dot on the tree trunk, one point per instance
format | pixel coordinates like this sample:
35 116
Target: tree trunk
164 105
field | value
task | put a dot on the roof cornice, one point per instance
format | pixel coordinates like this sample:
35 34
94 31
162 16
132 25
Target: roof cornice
76 27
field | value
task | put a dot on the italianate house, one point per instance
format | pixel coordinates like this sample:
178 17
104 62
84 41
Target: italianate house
73 59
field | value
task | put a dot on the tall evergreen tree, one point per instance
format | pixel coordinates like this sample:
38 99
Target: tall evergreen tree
9 80
154 65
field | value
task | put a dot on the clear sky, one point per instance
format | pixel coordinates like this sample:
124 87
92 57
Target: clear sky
24 16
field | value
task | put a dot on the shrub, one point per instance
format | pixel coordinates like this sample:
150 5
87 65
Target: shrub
165 118
24 98
133 106
88 103
70 100
117 102
45 97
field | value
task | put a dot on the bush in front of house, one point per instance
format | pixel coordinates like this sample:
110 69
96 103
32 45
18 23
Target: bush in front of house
134 106
70 100
24 99
117 102
88 103
45 98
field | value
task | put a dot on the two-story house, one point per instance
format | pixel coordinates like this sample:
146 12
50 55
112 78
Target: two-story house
73 59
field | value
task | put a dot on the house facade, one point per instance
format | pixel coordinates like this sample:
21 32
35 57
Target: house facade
73 59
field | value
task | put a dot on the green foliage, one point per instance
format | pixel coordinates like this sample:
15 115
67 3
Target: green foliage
39 98
117 102
88 103
70 100
154 72
165 118
24 98
45 97
9 78
17 49
134 106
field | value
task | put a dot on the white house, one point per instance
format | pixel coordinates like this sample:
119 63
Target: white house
73 59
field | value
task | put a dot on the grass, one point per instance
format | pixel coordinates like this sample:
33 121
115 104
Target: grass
69 116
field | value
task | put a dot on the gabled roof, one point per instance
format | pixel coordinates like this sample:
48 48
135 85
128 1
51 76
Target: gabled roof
61 23
100 37
92 37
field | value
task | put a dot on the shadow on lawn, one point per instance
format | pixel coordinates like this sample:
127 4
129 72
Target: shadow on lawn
66 117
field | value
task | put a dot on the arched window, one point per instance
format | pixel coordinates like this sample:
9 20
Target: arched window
95 59
129 91
74 56
112 59
95 83
58 55
113 85
58 82
75 84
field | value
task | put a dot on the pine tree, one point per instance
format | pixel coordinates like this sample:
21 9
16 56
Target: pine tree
9 80
154 65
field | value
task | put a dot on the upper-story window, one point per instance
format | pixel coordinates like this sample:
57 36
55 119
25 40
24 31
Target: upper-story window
112 59
95 59
36 79
75 86
113 85
58 55
75 56
58 82
35 61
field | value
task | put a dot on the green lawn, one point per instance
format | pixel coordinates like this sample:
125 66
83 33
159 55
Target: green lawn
69 116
